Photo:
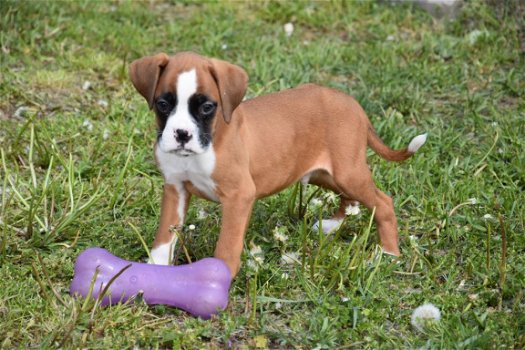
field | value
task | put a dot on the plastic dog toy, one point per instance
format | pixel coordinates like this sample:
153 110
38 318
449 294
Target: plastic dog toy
200 288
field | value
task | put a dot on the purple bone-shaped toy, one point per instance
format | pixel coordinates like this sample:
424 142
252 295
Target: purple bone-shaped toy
200 288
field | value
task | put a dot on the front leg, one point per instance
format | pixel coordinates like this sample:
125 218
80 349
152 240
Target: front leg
175 201
236 212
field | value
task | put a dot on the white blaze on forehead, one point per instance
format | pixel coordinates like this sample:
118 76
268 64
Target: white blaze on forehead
186 85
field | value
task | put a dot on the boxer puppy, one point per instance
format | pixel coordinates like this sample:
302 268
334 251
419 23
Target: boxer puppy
211 145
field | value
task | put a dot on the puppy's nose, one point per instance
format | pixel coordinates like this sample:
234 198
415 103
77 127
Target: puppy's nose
182 136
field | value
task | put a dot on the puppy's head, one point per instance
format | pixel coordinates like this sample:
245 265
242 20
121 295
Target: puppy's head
188 93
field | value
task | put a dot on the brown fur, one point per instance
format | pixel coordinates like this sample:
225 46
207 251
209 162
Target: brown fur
271 142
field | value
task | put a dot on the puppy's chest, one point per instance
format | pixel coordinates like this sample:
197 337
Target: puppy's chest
196 169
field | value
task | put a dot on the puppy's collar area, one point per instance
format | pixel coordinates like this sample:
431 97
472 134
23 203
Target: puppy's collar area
195 168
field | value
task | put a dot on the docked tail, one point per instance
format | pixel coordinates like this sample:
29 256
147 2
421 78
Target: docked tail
375 143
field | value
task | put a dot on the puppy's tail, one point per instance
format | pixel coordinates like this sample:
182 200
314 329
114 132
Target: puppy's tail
375 143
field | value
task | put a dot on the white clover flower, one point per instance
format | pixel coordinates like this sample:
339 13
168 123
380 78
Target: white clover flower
316 202
473 201
256 256
473 297
330 197
87 124
255 249
488 217
279 234
288 29
290 258
21 112
105 135
202 214
224 46
281 237
426 313
191 227
252 265
461 284
474 35
352 210
102 103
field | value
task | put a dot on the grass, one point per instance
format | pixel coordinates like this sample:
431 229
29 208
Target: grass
77 171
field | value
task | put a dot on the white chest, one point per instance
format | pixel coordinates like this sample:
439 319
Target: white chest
196 169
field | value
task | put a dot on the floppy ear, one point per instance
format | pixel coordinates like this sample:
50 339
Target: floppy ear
232 82
145 73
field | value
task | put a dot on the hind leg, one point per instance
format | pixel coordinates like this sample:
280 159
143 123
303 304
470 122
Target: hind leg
325 180
344 203
332 224
358 184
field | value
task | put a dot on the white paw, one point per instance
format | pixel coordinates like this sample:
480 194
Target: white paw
162 255
328 225
394 255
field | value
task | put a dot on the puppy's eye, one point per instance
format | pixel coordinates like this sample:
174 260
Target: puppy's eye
207 109
163 106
